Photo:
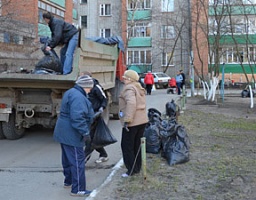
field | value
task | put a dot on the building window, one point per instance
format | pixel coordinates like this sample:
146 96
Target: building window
167 5
14 39
84 21
105 33
167 32
232 55
140 30
139 5
83 1
105 10
166 58
139 57
231 2
43 7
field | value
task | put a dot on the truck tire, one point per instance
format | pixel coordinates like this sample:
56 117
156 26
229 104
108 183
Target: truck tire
10 131
1 132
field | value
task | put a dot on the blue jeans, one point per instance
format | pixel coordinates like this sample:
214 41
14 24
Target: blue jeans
67 54
179 87
73 163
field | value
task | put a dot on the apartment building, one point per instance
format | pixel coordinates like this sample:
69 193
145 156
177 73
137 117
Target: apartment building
223 35
232 37
155 33
100 18
158 36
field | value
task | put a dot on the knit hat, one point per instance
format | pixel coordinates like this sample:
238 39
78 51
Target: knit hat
85 81
131 74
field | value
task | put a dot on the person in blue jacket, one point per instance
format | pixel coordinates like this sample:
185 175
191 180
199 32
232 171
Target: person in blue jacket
72 130
63 33
179 80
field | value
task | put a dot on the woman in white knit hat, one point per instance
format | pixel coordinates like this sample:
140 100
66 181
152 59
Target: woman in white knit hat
133 116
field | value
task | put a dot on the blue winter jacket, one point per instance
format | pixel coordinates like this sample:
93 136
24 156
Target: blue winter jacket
76 116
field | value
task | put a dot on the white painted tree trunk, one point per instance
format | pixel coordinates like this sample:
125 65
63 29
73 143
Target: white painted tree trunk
251 96
213 87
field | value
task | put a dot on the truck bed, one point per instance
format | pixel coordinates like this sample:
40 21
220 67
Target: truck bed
97 58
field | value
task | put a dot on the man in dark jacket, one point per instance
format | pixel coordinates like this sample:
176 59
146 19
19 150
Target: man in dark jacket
65 34
72 130
99 102
183 78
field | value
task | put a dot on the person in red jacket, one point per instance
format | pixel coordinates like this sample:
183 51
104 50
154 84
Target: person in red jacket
172 85
149 81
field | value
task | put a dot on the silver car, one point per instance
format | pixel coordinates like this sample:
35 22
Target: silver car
161 79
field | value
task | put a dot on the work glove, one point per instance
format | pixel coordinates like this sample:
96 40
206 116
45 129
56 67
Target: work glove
96 115
87 139
126 126
101 110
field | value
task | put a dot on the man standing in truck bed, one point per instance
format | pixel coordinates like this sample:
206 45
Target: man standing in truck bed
65 34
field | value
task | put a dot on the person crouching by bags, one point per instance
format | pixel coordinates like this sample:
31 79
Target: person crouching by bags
133 117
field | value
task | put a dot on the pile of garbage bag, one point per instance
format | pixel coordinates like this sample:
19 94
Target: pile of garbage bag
165 135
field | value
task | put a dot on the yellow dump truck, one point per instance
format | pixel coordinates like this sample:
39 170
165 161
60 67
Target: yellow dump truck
34 99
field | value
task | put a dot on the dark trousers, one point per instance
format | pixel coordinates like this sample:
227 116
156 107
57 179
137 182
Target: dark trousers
73 167
88 151
149 88
179 87
130 145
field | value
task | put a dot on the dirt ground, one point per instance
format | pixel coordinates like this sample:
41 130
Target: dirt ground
222 163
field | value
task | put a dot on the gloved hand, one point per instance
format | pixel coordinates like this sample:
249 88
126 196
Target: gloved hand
87 139
101 109
96 115
126 126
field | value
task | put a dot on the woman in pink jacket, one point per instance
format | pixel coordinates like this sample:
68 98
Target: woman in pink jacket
133 116
149 81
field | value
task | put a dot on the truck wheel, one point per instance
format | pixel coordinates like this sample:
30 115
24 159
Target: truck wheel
157 86
1 132
10 131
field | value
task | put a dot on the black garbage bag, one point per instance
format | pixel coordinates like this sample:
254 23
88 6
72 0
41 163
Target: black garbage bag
102 135
153 140
153 114
170 108
151 133
246 93
44 71
176 147
168 127
50 60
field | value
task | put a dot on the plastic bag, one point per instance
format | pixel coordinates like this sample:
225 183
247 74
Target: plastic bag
170 108
50 60
102 135
153 140
176 147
